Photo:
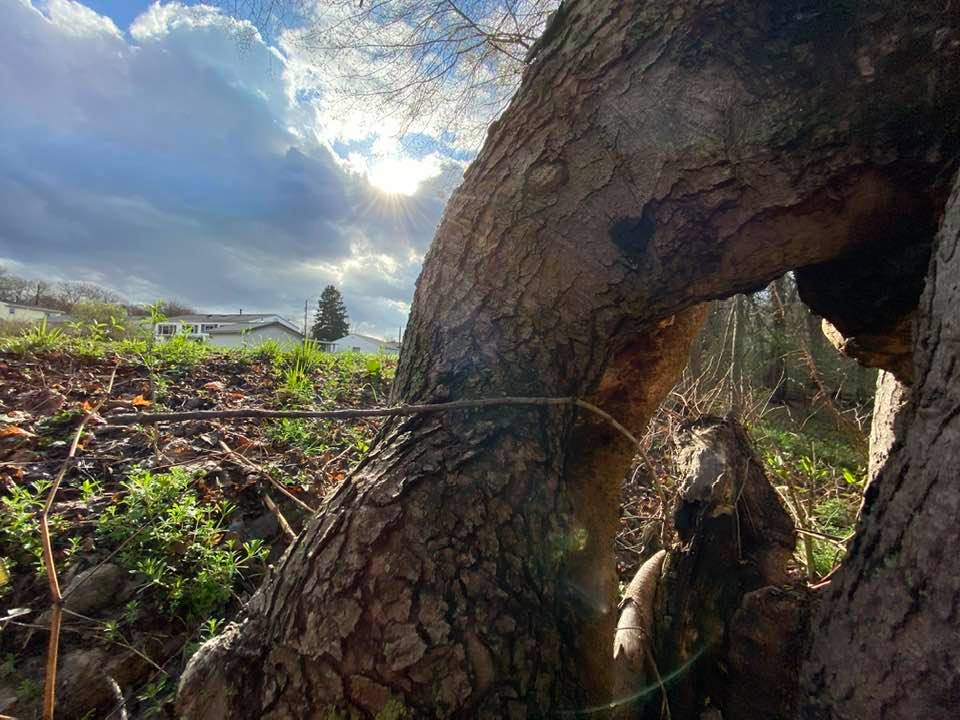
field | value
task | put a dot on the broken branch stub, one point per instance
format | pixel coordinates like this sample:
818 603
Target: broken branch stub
736 539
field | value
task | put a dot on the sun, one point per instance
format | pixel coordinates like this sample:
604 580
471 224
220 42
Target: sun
401 175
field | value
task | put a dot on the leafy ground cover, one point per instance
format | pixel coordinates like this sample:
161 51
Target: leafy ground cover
160 533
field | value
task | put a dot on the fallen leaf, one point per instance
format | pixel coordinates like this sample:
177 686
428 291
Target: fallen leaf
215 386
14 431
141 401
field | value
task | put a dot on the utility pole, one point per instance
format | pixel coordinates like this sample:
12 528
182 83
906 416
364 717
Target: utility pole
305 301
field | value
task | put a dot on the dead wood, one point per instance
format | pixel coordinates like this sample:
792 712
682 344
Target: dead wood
726 623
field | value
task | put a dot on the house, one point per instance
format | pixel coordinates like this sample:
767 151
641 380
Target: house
354 342
27 313
236 330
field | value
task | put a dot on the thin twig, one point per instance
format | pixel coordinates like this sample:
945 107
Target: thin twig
122 642
245 462
665 704
347 414
281 520
118 694
331 461
56 598
825 536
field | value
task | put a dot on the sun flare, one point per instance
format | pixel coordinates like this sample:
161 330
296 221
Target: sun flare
401 175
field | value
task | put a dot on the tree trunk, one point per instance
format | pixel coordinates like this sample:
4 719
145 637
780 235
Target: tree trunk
657 155
888 644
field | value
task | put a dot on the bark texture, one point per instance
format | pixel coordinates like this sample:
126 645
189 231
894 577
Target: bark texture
657 155
889 399
888 641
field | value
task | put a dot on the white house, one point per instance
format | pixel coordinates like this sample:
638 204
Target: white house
354 342
27 313
231 330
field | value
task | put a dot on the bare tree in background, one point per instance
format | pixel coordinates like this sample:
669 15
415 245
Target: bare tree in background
439 65
71 292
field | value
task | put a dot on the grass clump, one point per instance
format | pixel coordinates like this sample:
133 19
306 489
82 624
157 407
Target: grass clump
307 436
35 339
181 553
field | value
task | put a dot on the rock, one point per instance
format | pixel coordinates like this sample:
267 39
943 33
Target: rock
97 588
82 684
264 526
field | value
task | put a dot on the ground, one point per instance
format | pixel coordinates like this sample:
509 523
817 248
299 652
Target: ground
188 501
161 533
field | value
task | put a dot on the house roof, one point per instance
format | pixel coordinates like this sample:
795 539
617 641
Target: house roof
32 307
229 318
239 328
368 338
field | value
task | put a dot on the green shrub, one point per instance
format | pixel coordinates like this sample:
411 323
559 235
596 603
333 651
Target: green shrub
101 320
181 554
179 354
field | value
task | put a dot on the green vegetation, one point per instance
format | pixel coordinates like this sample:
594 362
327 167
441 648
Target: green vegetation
185 519
330 322
35 339
20 525
182 552
307 436
820 477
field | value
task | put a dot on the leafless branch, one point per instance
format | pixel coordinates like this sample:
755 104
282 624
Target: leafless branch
398 410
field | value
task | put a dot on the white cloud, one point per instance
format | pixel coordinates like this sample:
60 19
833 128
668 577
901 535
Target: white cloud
177 163
73 18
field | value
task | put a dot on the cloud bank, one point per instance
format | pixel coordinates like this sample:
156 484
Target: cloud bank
183 158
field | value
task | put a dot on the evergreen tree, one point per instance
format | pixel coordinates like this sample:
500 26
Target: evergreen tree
330 321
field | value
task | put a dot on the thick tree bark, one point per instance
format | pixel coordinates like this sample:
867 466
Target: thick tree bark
888 645
658 154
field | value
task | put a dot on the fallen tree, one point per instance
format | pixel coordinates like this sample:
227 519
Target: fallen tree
657 155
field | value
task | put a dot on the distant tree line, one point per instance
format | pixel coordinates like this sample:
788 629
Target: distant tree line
67 295
770 343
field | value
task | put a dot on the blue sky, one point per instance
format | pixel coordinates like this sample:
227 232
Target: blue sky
156 150
122 12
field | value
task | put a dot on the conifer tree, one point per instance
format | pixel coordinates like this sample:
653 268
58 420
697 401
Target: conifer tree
330 322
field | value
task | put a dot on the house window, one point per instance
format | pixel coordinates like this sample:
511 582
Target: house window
166 329
207 327
356 348
12 311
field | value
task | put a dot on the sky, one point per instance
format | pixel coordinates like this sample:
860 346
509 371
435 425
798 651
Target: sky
168 151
